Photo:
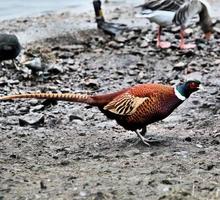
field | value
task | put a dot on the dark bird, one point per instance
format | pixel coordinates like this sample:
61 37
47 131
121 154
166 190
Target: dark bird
107 27
177 12
133 108
9 47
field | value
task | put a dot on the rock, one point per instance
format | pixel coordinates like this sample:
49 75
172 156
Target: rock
55 69
216 62
42 185
65 162
144 44
37 108
33 102
194 76
35 64
179 66
115 45
31 119
93 83
13 82
132 72
83 194
74 117
188 139
66 55
188 31
120 39
199 146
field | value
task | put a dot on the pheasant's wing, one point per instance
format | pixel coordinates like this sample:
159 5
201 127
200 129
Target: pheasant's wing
166 5
125 104
186 12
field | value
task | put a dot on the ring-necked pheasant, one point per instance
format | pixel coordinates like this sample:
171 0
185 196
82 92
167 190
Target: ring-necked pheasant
133 108
177 12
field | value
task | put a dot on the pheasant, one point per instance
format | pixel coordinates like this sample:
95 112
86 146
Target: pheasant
178 12
133 108
9 47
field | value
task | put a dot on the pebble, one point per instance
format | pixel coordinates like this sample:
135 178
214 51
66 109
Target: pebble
199 146
37 108
144 44
179 66
55 69
120 39
115 45
83 194
93 83
31 119
35 64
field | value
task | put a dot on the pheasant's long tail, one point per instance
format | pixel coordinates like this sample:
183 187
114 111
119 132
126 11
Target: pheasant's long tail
82 98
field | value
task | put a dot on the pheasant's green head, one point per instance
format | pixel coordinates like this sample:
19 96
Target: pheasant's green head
185 89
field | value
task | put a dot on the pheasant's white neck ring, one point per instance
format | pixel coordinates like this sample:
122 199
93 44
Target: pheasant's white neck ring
178 94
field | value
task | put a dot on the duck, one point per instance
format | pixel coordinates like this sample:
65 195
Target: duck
109 28
166 13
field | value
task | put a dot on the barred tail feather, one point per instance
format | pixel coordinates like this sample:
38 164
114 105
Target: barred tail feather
82 98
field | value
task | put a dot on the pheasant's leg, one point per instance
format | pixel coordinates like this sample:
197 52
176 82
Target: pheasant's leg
182 42
143 139
160 44
143 131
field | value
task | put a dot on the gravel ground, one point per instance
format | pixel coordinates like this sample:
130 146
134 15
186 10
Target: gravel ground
61 150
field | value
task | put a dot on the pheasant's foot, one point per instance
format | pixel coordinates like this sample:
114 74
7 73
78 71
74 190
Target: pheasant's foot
147 141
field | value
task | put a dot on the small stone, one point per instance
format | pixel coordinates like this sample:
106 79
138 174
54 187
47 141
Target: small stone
42 185
31 119
210 167
188 139
216 62
91 83
37 108
115 45
199 146
65 162
120 39
74 117
66 55
144 44
33 102
34 64
188 31
83 194
13 82
55 69
179 66
215 142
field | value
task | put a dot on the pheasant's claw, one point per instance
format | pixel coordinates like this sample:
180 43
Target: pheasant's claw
143 139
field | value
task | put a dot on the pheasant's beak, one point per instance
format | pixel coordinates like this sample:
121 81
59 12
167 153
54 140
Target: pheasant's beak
201 87
208 35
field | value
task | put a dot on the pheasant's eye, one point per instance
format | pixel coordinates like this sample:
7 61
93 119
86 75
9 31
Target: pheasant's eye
193 85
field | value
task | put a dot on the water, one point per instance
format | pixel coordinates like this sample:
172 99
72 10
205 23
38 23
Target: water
17 8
